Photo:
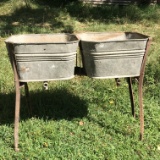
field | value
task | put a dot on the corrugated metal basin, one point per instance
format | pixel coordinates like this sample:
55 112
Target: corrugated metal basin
43 57
112 55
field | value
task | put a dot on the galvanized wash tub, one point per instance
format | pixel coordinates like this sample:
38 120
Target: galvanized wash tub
113 55
43 57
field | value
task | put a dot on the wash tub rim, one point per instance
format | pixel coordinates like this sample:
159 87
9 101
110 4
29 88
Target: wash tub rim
10 41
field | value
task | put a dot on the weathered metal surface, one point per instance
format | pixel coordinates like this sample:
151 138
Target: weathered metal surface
113 55
43 57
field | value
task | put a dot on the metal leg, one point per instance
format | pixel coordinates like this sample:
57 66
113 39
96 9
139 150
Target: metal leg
17 112
131 96
17 109
17 104
141 112
140 86
18 85
27 98
25 85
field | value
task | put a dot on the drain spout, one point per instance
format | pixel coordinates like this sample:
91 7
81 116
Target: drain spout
45 85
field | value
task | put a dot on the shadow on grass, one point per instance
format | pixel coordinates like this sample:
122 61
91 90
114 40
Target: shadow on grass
55 3
48 105
6 108
52 16
27 20
3 1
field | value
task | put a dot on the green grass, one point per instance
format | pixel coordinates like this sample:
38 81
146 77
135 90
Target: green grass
80 118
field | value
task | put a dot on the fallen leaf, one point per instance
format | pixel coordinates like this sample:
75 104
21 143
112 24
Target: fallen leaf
81 123
111 102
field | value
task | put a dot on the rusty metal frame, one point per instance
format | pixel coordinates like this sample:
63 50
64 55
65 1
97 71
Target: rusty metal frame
140 89
18 86
80 71
129 79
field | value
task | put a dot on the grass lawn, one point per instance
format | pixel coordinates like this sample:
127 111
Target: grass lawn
81 118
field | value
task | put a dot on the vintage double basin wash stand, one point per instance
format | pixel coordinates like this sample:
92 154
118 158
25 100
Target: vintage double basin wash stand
47 57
